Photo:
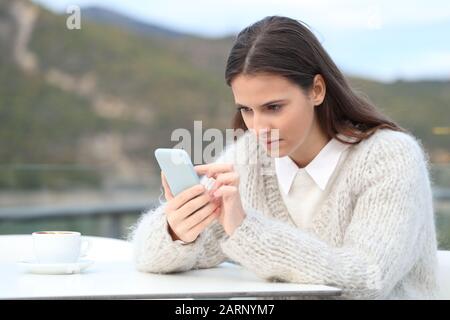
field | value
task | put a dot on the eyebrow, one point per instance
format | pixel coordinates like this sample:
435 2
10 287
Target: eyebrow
265 104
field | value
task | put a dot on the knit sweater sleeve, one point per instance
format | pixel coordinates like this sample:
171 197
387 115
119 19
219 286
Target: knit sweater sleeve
156 252
381 242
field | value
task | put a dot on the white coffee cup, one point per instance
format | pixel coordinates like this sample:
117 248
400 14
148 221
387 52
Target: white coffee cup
59 246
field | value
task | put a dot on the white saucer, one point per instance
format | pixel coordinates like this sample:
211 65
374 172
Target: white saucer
55 268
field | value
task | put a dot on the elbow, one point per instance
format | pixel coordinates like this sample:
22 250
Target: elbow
145 263
363 294
162 262
151 265
371 289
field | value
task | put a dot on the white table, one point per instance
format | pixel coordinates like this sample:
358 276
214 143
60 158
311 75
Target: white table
113 276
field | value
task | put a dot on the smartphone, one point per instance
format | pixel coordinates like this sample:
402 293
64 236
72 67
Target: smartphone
177 168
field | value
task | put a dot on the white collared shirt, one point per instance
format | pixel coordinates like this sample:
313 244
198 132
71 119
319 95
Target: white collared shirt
304 189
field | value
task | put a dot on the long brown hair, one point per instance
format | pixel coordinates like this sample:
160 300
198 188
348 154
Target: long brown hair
286 47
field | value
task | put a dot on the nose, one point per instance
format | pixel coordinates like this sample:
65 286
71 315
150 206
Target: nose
262 130
260 126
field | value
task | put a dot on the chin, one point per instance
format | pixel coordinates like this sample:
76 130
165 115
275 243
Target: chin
281 153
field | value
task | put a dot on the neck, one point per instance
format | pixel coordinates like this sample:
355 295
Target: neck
306 152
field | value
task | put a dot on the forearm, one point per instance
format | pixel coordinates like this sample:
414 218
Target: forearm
276 251
154 249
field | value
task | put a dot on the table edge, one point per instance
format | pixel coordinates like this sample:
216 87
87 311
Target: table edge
204 295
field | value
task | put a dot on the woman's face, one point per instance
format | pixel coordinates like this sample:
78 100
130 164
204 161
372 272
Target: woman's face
268 101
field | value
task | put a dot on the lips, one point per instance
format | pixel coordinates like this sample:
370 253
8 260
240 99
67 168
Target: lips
272 141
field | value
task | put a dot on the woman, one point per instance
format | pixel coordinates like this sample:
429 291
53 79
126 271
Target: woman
346 201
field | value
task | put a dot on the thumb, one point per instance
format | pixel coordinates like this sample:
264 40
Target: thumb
226 191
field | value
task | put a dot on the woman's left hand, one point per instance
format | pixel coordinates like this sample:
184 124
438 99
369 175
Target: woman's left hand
225 188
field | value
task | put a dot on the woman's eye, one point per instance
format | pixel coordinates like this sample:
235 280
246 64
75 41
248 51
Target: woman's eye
244 109
274 107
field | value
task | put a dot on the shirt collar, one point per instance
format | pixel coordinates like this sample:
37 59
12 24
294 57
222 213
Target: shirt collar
320 168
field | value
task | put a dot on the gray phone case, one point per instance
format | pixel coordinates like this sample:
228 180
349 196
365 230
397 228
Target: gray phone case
177 168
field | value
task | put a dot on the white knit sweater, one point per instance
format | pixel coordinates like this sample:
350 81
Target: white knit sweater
373 237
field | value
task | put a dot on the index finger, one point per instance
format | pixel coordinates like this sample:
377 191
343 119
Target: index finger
180 199
212 169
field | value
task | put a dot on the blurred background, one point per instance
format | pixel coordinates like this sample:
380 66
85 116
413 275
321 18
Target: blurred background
81 110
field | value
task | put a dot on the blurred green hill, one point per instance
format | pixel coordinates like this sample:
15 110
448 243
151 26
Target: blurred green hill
110 93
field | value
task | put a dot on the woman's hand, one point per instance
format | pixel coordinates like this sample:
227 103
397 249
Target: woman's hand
190 212
225 188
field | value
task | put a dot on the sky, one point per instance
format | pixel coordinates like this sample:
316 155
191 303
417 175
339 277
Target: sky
384 40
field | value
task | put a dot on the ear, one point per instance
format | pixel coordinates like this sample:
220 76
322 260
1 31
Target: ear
319 89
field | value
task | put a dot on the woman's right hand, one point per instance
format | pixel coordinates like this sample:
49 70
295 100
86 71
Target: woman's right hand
189 212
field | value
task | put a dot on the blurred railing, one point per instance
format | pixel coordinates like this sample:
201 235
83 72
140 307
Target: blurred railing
113 219
113 213
47 196
440 194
